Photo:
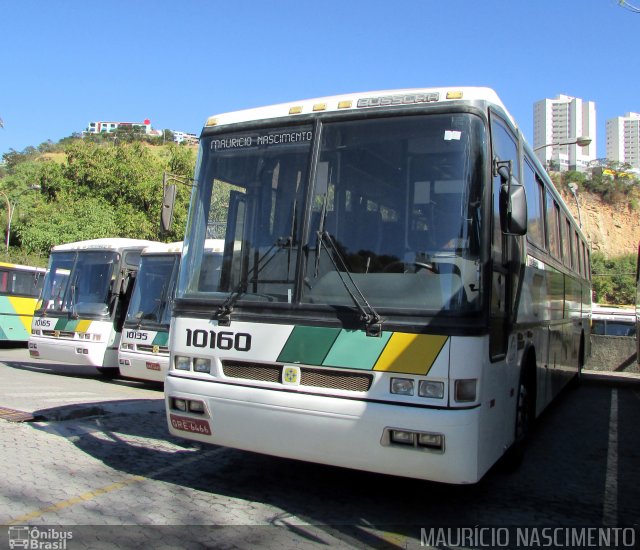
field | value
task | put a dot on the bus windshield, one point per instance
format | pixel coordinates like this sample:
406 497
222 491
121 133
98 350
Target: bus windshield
151 298
393 214
79 282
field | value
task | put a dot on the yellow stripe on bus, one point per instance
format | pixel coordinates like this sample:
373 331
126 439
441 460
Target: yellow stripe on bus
23 307
410 353
83 326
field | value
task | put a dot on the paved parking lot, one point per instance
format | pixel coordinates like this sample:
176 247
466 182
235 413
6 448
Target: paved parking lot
99 464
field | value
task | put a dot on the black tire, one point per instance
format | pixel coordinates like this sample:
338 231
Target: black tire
109 372
514 456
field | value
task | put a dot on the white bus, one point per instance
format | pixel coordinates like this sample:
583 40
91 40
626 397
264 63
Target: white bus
144 346
79 316
403 290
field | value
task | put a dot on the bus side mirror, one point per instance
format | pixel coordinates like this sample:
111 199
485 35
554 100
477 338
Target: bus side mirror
168 202
513 202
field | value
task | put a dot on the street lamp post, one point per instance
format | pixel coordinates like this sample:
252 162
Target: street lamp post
582 141
10 208
573 187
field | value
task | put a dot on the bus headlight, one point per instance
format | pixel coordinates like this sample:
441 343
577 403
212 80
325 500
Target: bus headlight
400 437
181 362
466 390
179 404
402 386
201 365
428 388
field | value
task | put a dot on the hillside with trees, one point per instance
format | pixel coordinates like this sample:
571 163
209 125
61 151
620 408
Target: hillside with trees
111 186
85 189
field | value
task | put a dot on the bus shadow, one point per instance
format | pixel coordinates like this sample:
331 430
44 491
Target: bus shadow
565 464
79 371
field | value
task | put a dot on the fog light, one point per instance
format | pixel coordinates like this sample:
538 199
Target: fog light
431 441
201 365
402 386
466 390
196 407
179 404
182 363
427 388
402 438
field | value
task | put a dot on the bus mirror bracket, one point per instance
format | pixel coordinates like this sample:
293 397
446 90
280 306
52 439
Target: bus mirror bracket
513 201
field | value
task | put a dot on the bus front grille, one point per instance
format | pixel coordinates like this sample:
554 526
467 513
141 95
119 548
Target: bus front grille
162 350
319 378
252 371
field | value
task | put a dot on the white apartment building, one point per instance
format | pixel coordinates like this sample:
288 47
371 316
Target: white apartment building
623 139
561 120
107 127
182 137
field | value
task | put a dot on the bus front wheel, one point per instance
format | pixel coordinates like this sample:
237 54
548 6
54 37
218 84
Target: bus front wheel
523 423
109 372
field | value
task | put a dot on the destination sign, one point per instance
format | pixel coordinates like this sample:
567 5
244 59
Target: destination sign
273 138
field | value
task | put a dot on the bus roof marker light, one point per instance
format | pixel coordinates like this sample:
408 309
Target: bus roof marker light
295 110
345 104
211 121
320 107
457 94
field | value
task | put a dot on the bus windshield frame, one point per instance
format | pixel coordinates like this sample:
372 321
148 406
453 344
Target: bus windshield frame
153 292
79 283
389 210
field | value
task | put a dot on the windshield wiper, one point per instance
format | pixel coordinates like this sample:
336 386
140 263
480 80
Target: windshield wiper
223 314
74 288
368 315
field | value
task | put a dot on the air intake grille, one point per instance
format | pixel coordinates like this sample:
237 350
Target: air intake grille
252 371
319 378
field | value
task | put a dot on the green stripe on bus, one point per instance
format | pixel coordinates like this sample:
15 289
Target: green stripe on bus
353 349
308 345
160 339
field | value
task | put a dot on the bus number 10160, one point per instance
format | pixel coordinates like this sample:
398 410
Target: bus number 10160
224 340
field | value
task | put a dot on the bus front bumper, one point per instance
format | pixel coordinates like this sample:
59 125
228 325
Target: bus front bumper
328 430
143 366
75 352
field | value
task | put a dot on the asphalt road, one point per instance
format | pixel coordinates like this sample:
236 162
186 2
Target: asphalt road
96 468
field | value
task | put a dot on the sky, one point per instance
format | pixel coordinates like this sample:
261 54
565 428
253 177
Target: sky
177 62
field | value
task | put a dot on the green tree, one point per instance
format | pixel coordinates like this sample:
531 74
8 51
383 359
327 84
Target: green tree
614 279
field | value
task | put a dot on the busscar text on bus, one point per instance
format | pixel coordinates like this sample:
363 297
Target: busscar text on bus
402 290
79 316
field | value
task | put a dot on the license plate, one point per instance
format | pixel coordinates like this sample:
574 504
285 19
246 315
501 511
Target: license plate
194 425
153 366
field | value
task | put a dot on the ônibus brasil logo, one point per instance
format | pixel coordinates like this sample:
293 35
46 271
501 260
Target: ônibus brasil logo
38 538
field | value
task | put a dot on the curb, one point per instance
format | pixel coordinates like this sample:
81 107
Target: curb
610 376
